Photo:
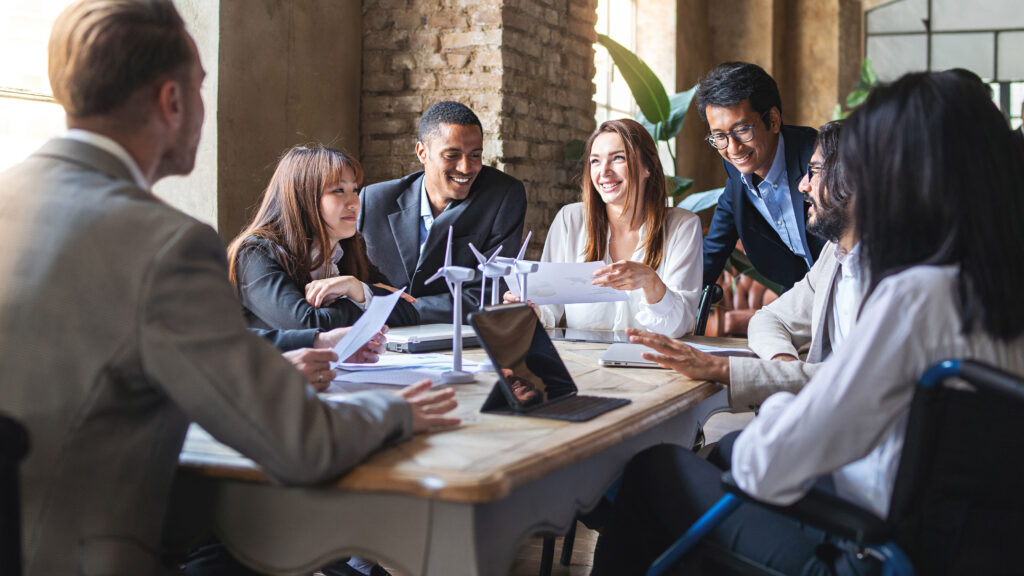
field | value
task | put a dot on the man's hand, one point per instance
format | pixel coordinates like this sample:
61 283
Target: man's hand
368 354
510 298
682 357
430 407
315 364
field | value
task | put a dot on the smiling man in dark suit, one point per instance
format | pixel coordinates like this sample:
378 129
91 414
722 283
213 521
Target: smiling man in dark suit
405 222
765 161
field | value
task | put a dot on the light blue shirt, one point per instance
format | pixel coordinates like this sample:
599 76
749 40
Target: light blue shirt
773 201
426 215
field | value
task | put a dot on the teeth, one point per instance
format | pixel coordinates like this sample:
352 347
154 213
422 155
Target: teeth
461 180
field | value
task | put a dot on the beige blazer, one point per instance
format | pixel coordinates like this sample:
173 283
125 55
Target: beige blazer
795 322
117 327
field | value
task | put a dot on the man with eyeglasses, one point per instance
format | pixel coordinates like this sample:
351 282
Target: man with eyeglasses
764 161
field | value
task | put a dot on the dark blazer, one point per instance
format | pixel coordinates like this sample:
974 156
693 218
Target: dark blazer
389 221
271 298
737 218
287 340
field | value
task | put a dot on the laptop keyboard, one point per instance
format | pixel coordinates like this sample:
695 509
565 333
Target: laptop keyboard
578 408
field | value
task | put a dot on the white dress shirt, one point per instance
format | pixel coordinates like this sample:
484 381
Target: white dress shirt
849 291
681 270
850 419
108 145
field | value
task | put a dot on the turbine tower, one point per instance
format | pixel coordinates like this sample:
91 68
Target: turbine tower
454 276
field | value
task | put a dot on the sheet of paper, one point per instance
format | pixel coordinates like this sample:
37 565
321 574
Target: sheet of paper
372 320
565 283
399 377
399 361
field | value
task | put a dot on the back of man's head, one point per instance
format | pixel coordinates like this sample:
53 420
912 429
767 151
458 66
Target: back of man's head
446 112
102 52
730 83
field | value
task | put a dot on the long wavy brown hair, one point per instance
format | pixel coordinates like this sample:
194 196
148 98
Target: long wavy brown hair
289 216
644 207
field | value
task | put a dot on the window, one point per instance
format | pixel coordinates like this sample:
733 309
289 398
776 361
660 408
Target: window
616 19
28 114
985 36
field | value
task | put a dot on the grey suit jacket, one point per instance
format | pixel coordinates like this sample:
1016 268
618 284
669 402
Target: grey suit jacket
117 327
794 323
389 221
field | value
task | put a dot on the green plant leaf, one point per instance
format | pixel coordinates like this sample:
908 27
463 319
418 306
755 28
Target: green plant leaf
575 150
838 113
856 98
868 77
679 104
676 185
647 90
697 201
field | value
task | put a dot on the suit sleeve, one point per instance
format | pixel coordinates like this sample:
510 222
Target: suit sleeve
722 235
273 296
194 345
286 340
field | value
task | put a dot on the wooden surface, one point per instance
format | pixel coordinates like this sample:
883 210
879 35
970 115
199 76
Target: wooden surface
489 456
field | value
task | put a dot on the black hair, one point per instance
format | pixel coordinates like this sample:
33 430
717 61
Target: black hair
446 112
730 83
937 177
833 176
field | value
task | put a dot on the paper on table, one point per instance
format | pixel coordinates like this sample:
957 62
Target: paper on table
372 320
565 283
397 377
397 361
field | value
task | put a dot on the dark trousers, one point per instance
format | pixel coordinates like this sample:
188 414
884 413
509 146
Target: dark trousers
667 488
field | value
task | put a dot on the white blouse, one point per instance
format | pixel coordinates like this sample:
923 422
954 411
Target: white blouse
681 270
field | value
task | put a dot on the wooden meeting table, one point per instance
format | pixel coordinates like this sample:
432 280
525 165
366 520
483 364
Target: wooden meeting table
448 503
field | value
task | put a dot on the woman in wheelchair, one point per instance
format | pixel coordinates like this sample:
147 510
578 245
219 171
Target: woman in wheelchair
936 176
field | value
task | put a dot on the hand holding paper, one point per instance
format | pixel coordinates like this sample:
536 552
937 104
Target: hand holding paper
566 283
368 325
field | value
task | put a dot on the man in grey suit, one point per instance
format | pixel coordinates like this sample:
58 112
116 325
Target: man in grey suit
117 322
405 222
807 321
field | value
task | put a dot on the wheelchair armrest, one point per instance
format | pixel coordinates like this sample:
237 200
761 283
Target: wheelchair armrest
827 512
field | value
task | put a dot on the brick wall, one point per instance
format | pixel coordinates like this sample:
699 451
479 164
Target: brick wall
525 67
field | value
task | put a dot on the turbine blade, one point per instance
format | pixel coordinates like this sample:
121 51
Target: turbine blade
479 257
448 250
493 256
436 275
522 251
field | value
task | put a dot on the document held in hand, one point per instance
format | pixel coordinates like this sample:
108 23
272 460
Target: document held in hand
565 283
372 320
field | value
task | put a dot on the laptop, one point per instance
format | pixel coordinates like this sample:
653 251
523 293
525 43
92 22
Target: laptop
532 379
427 338
629 355
578 335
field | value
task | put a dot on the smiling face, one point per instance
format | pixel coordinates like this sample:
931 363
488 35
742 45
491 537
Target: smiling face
452 159
609 170
755 156
339 206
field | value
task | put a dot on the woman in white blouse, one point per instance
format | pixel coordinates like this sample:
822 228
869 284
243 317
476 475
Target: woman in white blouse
651 251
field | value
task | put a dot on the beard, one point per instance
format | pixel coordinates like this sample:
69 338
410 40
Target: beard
829 224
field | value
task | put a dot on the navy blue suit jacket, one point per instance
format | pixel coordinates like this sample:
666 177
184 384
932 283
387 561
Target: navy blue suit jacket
737 218
389 221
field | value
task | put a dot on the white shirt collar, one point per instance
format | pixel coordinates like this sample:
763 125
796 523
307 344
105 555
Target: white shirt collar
849 262
329 269
109 145
425 210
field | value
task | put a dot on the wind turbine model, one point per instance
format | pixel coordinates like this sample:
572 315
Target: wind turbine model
490 269
522 268
454 276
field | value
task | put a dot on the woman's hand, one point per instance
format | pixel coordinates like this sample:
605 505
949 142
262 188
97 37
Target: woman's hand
430 408
510 298
405 295
681 357
629 275
320 293
367 354
315 364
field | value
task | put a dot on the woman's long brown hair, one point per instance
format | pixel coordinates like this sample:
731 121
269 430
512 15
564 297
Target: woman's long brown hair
289 216
645 206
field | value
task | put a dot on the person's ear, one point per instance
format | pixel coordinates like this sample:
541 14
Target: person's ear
170 104
421 152
774 120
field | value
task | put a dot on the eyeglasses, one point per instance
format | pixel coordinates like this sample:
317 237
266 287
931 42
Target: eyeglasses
813 169
744 133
